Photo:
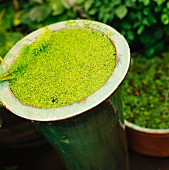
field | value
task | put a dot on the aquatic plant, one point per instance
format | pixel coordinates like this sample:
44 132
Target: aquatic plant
62 67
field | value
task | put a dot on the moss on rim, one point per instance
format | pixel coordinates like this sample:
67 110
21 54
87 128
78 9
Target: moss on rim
62 67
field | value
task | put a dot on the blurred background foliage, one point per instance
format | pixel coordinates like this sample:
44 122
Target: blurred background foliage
144 23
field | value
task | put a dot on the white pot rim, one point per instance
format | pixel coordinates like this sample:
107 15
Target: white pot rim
39 114
145 130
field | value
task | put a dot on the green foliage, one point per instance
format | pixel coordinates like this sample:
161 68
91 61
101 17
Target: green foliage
146 92
20 18
144 23
7 40
39 13
55 71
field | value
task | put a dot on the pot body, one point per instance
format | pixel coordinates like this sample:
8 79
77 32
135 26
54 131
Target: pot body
94 140
18 133
88 135
148 141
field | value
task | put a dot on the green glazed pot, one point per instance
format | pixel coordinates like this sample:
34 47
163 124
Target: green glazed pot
88 135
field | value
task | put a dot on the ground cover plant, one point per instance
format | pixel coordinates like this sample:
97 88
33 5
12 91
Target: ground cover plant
61 67
146 92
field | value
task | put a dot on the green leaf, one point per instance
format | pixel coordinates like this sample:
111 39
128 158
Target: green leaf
88 4
145 21
8 39
6 18
107 18
101 13
92 11
159 2
152 19
25 19
126 25
16 20
97 4
54 19
149 52
79 2
139 15
56 6
146 11
165 19
136 24
68 4
129 3
115 2
130 35
2 12
36 1
121 11
140 30
167 5
146 2
39 13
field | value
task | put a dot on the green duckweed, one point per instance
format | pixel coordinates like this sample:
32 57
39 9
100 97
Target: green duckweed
62 67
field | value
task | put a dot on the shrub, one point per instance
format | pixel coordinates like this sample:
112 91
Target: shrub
144 23
18 18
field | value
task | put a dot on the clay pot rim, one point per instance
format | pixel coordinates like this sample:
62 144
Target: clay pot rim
53 114
146 130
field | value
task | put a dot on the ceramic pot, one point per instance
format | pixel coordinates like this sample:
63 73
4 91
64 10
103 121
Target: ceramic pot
151 142
88 135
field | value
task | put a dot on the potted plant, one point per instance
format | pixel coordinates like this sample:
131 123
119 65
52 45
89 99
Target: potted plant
146 108
66 78
16 132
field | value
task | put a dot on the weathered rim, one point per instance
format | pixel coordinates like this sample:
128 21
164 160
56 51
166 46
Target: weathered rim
39 114
146 130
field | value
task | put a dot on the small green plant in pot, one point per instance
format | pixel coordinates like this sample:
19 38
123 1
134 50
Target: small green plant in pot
54 69
65 78
146 108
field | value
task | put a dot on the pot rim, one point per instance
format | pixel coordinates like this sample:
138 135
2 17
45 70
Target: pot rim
53 114
145 130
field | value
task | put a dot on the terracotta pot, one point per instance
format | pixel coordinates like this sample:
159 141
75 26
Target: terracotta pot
151 142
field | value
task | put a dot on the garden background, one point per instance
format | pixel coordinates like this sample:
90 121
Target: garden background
144 24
